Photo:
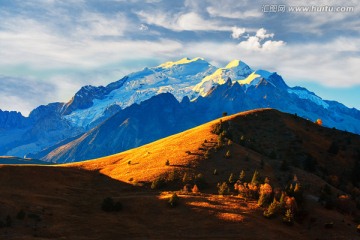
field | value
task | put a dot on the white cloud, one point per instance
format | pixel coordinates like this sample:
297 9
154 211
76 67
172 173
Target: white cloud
143 27
190 21
98 25
252 43
194 22
29 88
237 32
230 13
272 45
258 43
261 34
38 45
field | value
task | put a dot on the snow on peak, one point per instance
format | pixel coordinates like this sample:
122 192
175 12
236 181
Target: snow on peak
255 77
305 94
263 73
180 62
235 64
235 70
252 79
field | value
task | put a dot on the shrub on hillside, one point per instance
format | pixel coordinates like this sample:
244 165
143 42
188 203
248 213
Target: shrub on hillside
247 190
265 194
195 189
256 178
186 178
242 176
318 122
290 204
223 189
273 209
232 179
288 219
298 193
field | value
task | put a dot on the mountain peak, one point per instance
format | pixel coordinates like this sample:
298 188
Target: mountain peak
236 63
180 62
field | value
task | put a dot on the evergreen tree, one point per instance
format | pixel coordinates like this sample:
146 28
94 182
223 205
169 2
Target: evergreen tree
223 189
273 209
228 154
255 178
265 194
289 217
298 193
185 178
195 189
282 199
242 176
232 178
267 180
262 200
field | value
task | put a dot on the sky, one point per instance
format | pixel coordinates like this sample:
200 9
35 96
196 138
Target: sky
49 49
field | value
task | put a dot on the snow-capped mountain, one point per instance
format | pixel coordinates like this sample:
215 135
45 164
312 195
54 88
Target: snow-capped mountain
202 90
177 78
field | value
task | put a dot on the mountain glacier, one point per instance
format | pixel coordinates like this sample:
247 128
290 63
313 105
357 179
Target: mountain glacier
201 90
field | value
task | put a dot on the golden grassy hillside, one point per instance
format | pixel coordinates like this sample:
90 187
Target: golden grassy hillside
64 201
